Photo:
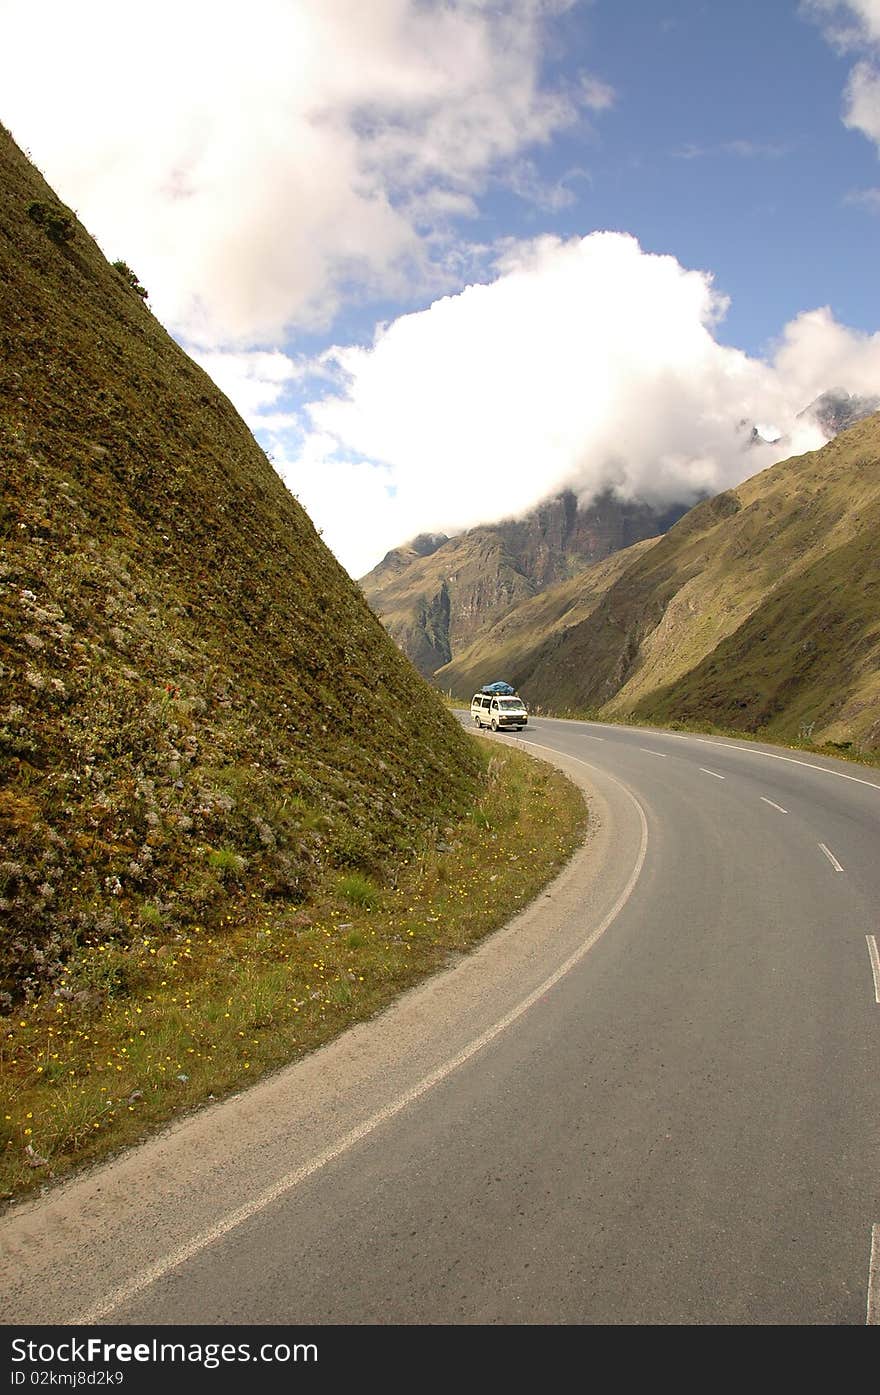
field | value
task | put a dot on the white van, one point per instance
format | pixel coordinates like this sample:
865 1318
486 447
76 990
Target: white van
499 713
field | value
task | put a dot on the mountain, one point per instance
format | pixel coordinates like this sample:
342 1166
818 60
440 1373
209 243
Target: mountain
198 708
511 645
436 595
838 409
759 610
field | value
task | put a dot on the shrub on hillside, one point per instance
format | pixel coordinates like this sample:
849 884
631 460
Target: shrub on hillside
56 221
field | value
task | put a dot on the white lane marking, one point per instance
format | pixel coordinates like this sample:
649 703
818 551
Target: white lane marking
771 755
772 805
711 772
873 1316
235 1218
831 858
875 965
791 760
648 752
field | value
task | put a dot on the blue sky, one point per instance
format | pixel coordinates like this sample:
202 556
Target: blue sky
447 258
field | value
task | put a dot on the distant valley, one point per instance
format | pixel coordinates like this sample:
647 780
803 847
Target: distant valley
759 610
756 610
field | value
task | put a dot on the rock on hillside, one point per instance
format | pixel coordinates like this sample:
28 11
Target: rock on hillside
759 610
838 409
437 596
198 708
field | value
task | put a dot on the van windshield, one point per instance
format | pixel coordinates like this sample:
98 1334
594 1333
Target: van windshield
508 703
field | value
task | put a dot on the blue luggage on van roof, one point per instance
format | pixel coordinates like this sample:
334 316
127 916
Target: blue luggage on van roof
498 689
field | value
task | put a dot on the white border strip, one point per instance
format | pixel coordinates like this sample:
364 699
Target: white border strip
873 1315
874 956
831 858
285 1184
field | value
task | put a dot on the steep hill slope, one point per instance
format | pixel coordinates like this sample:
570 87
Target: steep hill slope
759 610
436 595
198 708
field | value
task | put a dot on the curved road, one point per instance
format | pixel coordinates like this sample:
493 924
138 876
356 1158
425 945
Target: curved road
652 1098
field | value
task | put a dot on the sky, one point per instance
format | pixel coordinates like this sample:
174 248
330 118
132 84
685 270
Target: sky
449 257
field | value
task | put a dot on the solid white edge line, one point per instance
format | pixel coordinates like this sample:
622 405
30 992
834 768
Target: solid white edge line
772 805
235 1218
831 858
711 772
872 1318
874 956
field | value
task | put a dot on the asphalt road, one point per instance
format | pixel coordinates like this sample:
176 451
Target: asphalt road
651 1099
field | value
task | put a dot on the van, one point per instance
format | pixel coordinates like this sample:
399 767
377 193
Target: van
499 713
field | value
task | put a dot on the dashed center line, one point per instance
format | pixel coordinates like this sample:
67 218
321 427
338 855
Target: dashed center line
648 752
874 956
772 805
831 858
711 772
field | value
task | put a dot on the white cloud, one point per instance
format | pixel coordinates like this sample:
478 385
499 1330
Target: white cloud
854 26
253 381
865 198
847 24
598 95
742 149
585 364
255 163
863 101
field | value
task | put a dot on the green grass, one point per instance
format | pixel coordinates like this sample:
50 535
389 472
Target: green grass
135 1035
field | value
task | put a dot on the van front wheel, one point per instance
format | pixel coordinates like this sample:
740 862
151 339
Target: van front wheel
494 724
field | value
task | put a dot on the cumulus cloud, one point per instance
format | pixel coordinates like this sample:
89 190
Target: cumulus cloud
853 26
863 101
256 163
865 198
587 364
253 380
598 95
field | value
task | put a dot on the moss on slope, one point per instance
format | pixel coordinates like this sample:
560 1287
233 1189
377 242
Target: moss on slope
197 705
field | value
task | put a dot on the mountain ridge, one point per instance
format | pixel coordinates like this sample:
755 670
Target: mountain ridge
436 599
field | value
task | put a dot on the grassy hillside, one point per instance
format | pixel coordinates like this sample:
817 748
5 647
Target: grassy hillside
198 711
759 610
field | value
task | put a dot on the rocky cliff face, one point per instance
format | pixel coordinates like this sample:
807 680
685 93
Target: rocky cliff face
436 596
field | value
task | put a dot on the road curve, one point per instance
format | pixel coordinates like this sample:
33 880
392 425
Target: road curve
652 1098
